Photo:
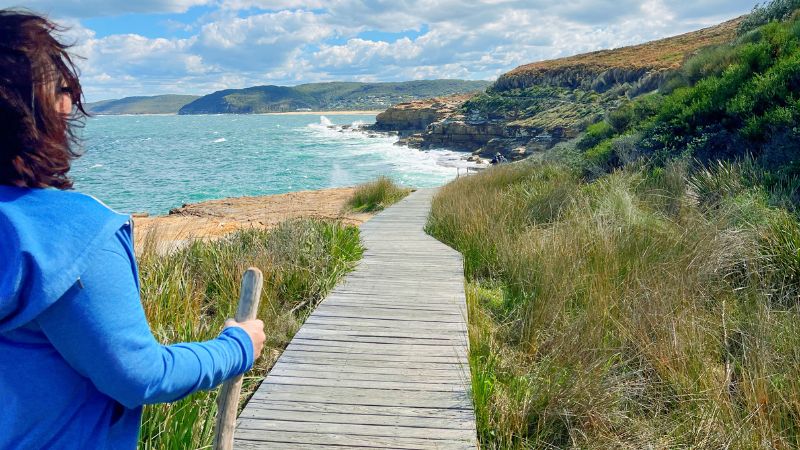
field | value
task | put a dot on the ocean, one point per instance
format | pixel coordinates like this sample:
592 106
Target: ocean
155 163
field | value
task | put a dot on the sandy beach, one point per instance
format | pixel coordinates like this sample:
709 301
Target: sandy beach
216 218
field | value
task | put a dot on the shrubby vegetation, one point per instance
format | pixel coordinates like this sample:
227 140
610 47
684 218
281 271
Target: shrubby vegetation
727 102
768 12
187 295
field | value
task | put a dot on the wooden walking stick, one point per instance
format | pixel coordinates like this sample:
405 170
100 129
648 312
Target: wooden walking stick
228 400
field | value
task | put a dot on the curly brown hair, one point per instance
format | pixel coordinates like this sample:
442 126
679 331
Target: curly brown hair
37 142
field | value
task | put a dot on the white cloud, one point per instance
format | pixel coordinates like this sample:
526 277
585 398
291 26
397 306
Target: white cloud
273 5
260 42
97 8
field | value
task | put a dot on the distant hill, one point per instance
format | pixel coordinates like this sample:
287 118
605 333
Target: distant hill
326 96
158 104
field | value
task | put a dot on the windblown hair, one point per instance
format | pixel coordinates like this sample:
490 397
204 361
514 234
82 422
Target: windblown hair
37 143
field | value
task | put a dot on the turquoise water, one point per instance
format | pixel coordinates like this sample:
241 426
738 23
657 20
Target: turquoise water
155 163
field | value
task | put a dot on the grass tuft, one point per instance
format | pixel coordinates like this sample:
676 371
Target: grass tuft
376 195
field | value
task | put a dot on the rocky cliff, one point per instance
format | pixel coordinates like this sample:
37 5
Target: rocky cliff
643 66
536 106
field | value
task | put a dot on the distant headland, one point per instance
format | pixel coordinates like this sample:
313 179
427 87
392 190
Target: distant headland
304 98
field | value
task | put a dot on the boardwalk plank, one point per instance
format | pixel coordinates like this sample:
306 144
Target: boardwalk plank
423 422
398 412
284 424
438 385
268 439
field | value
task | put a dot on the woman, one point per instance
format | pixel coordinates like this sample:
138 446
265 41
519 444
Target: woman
77 358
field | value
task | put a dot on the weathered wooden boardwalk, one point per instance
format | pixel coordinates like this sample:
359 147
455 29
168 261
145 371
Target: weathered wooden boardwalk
381 363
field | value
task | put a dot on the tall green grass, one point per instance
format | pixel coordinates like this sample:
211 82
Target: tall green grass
188 294
376 195
634 311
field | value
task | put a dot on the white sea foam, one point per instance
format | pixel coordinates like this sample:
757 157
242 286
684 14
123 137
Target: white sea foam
406 161
217 141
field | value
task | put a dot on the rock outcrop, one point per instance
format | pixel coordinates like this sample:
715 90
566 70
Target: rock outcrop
417 115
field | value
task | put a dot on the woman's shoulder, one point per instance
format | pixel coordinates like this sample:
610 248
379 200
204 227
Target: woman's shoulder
55 233
49 215
55 209
12 196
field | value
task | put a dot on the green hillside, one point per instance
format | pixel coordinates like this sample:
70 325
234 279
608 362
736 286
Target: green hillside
325 96
258 99
731 101
158 104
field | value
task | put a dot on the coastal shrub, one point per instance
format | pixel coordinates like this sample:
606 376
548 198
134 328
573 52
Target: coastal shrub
768 12
600 158
376 195
188 294
708 62
595 134
651 307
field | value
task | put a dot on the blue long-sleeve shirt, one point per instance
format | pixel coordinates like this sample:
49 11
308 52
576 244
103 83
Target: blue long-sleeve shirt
77 366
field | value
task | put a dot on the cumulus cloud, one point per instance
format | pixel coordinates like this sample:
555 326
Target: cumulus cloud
261 41
273 5
237 43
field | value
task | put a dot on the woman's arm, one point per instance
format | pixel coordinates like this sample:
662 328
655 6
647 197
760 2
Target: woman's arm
99 327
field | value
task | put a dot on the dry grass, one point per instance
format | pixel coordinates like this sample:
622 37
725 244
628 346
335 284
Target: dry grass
661 54
622 313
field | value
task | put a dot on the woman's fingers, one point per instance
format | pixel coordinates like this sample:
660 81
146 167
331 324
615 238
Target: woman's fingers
254 329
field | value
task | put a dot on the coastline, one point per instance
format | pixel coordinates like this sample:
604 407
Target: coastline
213 219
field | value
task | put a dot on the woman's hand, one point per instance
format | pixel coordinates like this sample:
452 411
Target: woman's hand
255 329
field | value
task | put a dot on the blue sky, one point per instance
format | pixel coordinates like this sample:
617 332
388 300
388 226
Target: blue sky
148 47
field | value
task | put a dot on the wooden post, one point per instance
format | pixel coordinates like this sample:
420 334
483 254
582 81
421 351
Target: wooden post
228 400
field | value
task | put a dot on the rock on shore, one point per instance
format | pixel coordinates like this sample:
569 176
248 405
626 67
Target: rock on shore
417 115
